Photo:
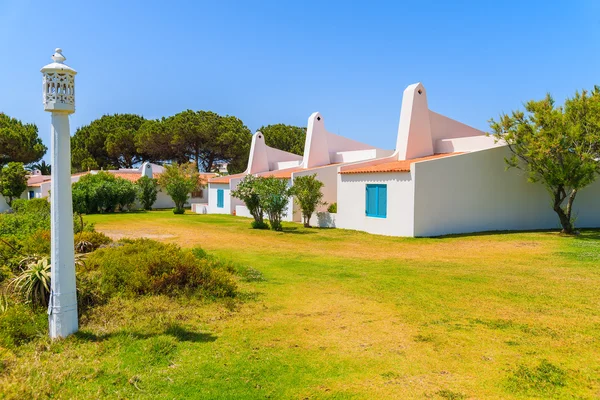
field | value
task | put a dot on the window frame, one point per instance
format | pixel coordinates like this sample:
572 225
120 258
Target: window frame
376 189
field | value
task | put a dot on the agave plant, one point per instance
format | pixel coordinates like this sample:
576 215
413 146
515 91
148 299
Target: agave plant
34 282
83 246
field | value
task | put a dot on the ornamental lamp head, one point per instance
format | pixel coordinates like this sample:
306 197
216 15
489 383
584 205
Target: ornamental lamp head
59 85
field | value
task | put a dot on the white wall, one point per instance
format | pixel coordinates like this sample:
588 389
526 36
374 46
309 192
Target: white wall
212 198
4 206
352 203
329 176
473 192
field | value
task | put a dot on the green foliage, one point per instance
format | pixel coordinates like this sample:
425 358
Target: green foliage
557 146
273 196
154 139
179 180
102 192
259 225
285 137
307 191
108 142
332 208
544 378
33 283
29 217
13 181
86 242
42 166
20 324
143 267
147 191
19 142
246 192
206 137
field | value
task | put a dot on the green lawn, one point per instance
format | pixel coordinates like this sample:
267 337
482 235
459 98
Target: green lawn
340 314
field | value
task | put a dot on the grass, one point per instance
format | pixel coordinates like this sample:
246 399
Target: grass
339 314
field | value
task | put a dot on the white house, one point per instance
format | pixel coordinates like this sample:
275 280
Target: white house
324 152
446 177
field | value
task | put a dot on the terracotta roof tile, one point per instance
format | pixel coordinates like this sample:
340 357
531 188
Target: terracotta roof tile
394 166
226 178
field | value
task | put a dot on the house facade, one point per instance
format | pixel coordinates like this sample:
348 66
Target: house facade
446 178
324 153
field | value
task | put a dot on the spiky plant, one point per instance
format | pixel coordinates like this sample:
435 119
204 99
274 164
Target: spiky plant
34 282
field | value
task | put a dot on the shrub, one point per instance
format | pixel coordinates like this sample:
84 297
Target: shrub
246 192
147 189
179 180
259 225
307 191
332 208
37 243
33 284
20 324
274 197
95 240
143 266
102 192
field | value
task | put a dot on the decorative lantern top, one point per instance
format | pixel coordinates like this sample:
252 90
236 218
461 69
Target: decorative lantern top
59 85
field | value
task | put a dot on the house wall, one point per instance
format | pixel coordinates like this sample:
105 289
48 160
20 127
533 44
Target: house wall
329 176
4 205
473 192
400 203
212 198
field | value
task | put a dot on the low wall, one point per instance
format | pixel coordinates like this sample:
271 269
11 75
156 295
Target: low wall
323 219
200 208
242 211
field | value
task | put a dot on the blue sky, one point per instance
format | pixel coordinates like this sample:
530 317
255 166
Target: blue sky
278 61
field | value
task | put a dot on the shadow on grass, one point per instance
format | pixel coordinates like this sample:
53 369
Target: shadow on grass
297 231
178 332
589 234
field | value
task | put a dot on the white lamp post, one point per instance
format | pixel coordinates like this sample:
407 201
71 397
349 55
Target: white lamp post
59 99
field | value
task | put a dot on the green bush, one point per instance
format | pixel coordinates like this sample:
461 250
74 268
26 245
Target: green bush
259 225
37 243
95 240
332 208
143 266
20 324
147 191
102 192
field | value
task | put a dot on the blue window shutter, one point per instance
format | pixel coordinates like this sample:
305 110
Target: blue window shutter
382 201
376 200
220 199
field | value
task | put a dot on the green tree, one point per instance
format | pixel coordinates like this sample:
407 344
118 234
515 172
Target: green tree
206 137
307 191
154 139
246 192
13 181
179 180
557 146
19 142
147 191
108 142
285 137
274 195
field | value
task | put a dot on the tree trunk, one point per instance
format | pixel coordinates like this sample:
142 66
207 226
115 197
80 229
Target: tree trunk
564 215
306 220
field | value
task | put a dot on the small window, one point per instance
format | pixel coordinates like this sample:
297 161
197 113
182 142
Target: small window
220 198
376 201
31 194
197 194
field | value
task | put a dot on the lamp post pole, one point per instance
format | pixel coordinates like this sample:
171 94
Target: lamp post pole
59 99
